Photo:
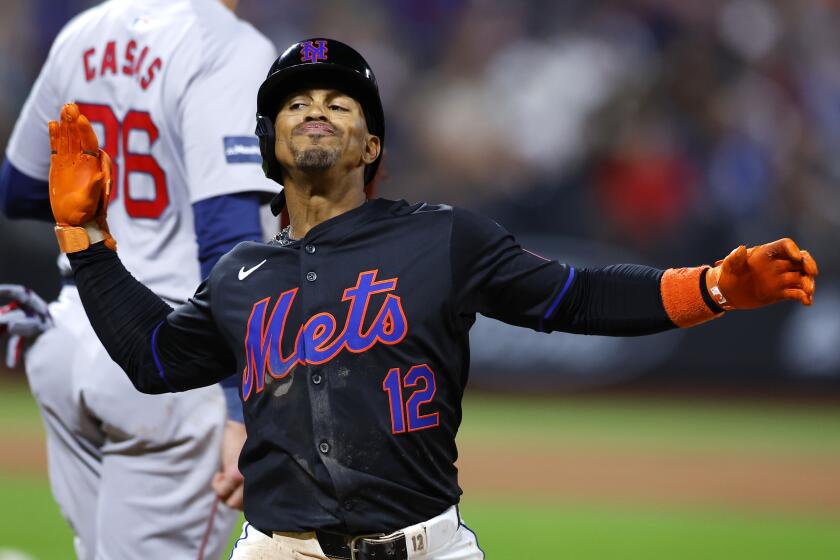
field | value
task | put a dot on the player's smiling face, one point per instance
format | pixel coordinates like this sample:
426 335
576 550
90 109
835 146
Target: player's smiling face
321 129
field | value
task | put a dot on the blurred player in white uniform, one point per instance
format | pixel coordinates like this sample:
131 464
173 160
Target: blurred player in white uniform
169 87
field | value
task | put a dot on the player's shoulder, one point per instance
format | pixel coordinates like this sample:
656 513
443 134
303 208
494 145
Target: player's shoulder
242 252
223 33
245 253
402 208
435 211
79 25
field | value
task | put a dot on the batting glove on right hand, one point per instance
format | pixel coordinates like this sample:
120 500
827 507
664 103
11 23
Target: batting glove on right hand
24 317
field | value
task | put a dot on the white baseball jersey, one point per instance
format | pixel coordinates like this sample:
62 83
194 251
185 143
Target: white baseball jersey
170 87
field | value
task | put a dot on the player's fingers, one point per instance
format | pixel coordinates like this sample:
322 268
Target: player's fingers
12 315
75 138
70 112
809 264
237 498
63 135
14 292
786 249
791 280
106 178
90 144
809 285
53 126
223 485
11 351
797 295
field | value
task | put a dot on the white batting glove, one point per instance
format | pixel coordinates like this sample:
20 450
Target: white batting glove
24 317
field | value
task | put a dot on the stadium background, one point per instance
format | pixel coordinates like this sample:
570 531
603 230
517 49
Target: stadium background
661 132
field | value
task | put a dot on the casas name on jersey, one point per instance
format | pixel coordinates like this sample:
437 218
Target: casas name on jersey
112 59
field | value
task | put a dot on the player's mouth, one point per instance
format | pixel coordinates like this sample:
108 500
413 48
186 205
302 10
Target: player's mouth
315 128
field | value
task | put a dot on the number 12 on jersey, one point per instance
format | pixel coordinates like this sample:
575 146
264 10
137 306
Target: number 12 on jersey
116 139
406 416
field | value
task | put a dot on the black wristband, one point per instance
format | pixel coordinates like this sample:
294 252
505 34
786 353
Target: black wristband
704 291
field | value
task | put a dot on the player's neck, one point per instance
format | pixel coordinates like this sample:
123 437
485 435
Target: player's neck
309 206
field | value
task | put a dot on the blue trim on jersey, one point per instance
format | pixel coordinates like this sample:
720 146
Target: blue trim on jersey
562 293
157 359
242 538
222 222
242 149
22 196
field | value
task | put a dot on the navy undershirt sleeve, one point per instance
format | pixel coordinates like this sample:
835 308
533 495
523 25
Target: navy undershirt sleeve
22 196
221 223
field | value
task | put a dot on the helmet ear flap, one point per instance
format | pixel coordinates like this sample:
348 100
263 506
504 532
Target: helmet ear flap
265 133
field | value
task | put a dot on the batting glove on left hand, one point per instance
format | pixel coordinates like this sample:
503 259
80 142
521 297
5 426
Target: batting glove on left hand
24 317
761 275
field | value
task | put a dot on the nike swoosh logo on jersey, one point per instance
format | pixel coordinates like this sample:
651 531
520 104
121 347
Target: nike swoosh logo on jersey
243 274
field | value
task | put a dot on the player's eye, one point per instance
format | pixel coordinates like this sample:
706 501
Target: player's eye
295 105
339 108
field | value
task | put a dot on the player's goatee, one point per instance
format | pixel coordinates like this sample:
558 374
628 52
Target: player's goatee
315 159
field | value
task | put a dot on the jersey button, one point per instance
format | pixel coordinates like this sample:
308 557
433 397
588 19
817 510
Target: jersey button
310 249
349 505
311 276
324 447
316 379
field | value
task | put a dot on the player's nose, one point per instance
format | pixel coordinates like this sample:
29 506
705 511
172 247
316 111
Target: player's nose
316 112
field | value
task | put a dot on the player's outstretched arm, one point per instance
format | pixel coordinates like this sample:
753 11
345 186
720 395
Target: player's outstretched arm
494 276
161 350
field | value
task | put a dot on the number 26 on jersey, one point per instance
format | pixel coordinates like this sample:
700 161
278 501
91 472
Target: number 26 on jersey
115 142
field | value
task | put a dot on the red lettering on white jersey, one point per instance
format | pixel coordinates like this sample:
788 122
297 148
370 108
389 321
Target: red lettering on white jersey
150 74
109 60
128 69
129 65
90 72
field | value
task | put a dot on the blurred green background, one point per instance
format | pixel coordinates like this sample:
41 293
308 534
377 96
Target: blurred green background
585 478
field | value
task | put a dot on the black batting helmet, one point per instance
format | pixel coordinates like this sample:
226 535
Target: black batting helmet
317 62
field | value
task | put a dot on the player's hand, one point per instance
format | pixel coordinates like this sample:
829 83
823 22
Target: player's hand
24 317
80 177
759 276
228 483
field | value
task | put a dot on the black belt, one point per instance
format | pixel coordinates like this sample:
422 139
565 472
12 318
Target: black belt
348 547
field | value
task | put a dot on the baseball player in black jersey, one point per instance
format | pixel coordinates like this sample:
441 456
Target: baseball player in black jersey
351 327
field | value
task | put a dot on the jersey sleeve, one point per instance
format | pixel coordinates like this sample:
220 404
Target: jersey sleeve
221 151
188 347
493 275
28 149
160 349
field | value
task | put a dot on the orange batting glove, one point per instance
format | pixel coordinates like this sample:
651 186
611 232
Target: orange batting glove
80 183
759 276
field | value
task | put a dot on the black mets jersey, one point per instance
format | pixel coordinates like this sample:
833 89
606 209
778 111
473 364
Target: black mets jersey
353 350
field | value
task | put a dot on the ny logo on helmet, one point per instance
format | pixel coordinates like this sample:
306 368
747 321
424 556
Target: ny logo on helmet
313 51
